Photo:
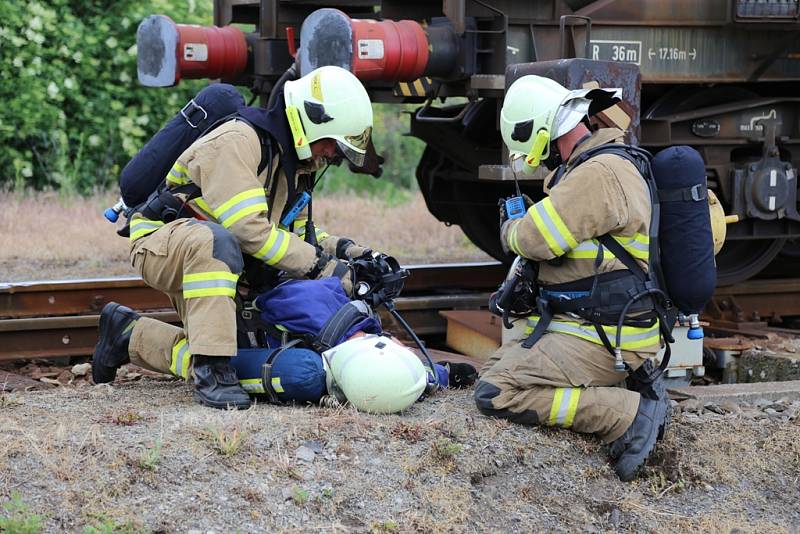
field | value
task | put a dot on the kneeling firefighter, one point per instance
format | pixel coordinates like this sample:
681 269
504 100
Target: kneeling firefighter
595 306
242 187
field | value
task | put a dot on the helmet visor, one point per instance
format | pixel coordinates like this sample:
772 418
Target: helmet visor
354 147
356 158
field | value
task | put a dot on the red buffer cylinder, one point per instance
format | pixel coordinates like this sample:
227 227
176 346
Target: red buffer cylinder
167 52
399 51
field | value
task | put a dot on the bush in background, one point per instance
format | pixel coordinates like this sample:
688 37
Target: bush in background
72 112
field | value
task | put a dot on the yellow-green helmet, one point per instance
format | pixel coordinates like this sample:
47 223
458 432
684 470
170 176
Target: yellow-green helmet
538 110
329 102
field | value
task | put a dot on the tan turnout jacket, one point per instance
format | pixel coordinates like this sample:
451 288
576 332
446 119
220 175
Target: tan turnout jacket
223 164
605 194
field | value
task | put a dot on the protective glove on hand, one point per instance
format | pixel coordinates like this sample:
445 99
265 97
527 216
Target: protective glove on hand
341 270
347 249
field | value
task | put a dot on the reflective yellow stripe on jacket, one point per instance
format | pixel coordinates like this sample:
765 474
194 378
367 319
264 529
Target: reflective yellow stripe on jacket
245 203
300 230
274 248
552 227
632 337
564 407
209 284
637 245
181 357
141 227
178 175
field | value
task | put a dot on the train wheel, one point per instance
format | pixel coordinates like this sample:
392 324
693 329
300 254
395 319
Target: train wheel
740 260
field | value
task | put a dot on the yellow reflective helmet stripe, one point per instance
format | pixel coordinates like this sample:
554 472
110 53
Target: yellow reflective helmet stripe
238 206
178 175
181 358
252 385
141 227
274 248
549 223
632 337
564 407
209 284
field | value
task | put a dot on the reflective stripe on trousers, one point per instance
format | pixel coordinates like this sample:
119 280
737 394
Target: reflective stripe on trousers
632 337
209 284
181 358
141 227
565 404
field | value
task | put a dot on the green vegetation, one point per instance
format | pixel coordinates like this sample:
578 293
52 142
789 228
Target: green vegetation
72 112
150 456
20 520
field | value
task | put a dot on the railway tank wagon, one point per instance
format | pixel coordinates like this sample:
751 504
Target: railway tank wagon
719 75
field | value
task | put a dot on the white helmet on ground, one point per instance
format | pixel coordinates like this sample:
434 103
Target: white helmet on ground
329 102
537 111
375 374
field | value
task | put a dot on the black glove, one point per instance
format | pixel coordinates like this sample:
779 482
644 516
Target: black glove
461 375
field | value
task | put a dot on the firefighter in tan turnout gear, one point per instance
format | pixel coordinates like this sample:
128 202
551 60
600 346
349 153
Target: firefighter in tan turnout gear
567 377
247 173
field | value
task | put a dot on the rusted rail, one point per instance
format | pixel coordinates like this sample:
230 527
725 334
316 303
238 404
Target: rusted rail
56 319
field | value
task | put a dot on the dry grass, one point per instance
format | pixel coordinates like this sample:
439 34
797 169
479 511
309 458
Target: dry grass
48 236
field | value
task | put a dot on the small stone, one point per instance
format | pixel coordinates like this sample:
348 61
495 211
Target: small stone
305 454
287 493
615 516
770 411
691 406
730 407
761 403
194 531
708 487
711 407
81 369
314 445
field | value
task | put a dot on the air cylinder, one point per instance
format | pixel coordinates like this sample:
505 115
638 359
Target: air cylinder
167 52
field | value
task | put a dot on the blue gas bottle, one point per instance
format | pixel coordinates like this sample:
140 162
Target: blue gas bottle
112 213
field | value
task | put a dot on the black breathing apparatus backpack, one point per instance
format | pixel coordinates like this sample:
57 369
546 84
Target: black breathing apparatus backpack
632 297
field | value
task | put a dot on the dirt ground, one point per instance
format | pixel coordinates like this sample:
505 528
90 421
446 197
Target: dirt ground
143 456
46 236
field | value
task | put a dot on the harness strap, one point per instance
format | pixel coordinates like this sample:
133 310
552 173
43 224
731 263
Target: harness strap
545 318
339 323
266 373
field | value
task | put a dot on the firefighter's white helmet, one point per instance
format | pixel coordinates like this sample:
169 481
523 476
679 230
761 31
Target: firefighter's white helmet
375 374
538 110
329 102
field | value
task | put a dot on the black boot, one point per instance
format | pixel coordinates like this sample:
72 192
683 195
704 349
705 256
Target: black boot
116 324
216 383
641 382
633 448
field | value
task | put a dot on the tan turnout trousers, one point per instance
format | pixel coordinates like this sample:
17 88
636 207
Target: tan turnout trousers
169 260
561 381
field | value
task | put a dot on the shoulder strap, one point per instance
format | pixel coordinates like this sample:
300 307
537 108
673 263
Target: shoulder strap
339 323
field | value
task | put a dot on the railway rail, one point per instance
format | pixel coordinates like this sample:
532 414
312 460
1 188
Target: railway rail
59 318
